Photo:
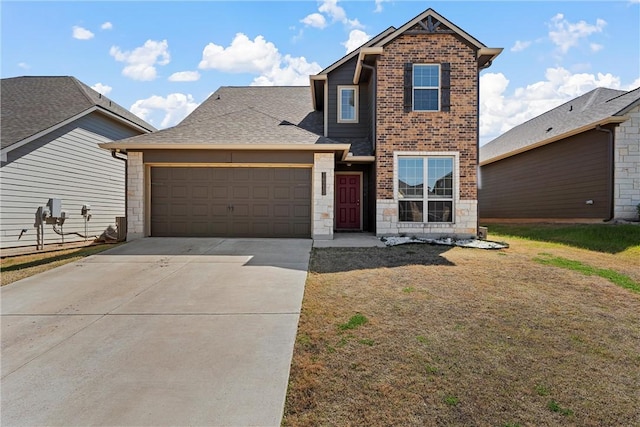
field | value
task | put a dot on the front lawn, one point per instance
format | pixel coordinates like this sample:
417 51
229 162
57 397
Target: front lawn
418 335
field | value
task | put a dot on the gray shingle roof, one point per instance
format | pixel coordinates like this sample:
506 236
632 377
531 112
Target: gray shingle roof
586 110
250 115
33 104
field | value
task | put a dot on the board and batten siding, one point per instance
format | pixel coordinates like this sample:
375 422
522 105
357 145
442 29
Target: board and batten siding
66 164
554 181
343 76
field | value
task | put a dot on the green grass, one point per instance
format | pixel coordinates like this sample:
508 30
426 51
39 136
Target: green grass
354 322
606 273
554 406
595 237
451 400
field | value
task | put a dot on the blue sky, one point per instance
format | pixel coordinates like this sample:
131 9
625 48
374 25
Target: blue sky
162 59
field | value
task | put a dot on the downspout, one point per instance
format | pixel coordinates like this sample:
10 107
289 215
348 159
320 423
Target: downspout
478 149
611 170
126 183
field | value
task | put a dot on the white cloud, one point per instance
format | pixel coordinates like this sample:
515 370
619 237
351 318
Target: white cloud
336 13
519 46
500 111
566 35
595 47
241 56
24 65
107 26
185 76
258 56
82 33
142 60
356 39
378 8
315 20
331 8
289 71
172 109
100 88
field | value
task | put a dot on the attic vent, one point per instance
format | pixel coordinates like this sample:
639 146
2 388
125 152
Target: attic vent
549 129
286 123
570 107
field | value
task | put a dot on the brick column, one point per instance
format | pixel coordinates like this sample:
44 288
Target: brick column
135 196
323 205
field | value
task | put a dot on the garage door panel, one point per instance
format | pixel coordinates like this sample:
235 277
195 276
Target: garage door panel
242 202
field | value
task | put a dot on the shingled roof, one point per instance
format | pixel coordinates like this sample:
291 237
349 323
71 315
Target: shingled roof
248 115
33 104
597 107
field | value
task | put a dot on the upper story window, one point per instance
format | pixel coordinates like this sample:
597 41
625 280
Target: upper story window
426 87
347 104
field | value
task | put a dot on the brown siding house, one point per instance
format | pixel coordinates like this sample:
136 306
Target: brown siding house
577 162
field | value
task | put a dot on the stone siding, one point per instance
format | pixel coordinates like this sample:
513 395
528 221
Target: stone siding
627 167
323 205
135 196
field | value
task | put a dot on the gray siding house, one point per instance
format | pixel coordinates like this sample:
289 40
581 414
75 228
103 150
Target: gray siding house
51 128
579 162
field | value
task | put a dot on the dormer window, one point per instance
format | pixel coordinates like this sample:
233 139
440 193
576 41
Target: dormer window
347 104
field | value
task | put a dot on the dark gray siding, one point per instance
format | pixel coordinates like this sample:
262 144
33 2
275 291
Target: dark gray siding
344 76
550 182
65 164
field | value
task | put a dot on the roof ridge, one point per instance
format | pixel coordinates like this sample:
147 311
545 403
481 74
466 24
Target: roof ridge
79 85
622 94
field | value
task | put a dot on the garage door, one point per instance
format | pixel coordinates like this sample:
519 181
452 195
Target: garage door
230 202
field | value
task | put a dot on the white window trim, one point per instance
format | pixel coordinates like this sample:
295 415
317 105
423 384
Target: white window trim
456 180
355 98
413 88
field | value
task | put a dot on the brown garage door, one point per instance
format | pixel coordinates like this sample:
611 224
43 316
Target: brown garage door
232 202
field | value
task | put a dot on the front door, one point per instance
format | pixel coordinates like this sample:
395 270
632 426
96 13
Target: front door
348 190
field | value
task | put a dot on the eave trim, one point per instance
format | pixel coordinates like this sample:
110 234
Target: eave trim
573 132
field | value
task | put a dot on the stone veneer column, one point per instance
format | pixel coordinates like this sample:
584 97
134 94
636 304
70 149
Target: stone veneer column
626 186
323 209
135 196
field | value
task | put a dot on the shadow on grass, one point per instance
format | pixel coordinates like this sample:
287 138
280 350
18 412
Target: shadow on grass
48 258
606 238
334 260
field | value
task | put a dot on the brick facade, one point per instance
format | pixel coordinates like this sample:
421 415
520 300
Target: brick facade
452 131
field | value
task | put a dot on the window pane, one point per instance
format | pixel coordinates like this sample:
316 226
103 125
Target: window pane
347 104
440 177
425 99
410 178
410 211
426 76
440 211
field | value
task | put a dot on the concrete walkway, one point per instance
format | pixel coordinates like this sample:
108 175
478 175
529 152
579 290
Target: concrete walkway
155 332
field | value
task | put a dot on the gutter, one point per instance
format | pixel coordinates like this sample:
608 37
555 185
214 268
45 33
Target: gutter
610 178
126 184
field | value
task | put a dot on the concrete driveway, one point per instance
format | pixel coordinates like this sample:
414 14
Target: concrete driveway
170 331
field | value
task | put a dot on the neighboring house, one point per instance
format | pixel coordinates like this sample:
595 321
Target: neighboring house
577 162
50 130
351 152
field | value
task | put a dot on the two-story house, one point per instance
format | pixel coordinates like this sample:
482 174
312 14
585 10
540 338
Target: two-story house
383 140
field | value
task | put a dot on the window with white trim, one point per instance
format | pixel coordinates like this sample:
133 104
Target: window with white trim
347 104
426 87
432 202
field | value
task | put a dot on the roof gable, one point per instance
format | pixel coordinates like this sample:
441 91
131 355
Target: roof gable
33 105
598 107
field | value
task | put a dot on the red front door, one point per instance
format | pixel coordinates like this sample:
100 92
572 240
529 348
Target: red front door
348 202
